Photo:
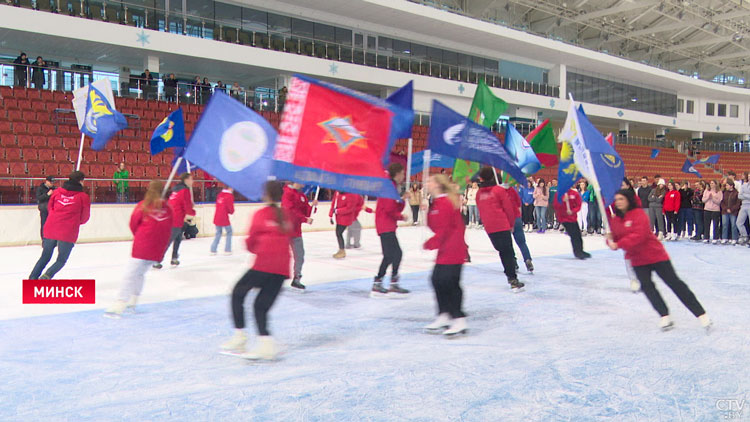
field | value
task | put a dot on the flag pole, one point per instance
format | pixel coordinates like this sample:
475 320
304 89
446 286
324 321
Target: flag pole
317 192
425 178
80 153
171 176
497 181
408 165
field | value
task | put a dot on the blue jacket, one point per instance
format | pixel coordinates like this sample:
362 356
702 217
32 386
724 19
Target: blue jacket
527 195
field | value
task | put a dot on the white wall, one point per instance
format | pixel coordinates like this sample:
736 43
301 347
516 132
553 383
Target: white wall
19 225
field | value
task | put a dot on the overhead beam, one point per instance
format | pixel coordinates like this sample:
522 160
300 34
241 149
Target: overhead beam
619 8
707 41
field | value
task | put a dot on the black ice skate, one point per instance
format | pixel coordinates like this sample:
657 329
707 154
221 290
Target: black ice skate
378 291
516 286
297 286
529 266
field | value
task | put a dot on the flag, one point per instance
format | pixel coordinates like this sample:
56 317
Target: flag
594 158
234 144
567 172
610 139
463 170
100 119
542 141
436 160
169 133
689 168
456 136
338 138
521 151
404 98
655 152
185 166
708 160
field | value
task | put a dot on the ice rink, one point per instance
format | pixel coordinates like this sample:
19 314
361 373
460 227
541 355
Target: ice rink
577 345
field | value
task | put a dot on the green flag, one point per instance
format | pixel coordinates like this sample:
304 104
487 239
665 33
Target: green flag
485 110
542 141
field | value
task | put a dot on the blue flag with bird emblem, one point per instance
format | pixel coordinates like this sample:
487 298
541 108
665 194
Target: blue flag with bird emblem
169 133
101 121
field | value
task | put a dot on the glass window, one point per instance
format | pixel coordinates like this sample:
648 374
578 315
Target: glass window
279 24
434 54
326 32
199 8
418 51
477 64
401 48
385 45
464 60
228 14
302 28
680 105
450 58
690 107
722 111
734 111
254 20
344 36
710 109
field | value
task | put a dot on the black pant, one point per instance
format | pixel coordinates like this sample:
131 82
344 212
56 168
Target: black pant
43 213
175 240
415 213
269 285
48 246
446 280
527 213
574 231
503 244
671 222
340 235
708 217
391 254
665 270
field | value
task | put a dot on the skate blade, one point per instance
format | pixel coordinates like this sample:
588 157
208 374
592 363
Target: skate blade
438 330
296 290
397 296
247 356
669 327
112 315
459 334
517 289
375 295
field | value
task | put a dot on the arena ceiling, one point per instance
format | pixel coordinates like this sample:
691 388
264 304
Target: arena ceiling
702 38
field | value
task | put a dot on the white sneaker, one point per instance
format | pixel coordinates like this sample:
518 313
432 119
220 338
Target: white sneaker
706 322
706 241
116 310
724 241
212 253
635 286
660 236
266 350
443 321
732 242
458 326
236 343
665 323
228 253
132 303
714 242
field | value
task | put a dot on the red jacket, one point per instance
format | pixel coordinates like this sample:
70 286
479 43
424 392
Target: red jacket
297 208
68 210
672 201
574 200
345 205
181 203
633 234
388 214
151 232
269 242
515 199
448 224
361 206
224 208
495 209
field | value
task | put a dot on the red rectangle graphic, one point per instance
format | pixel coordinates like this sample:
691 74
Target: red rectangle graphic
59 291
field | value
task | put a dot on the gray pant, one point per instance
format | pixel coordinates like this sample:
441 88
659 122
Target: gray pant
741 218
134 278
656 216
298 251
353 234
217 239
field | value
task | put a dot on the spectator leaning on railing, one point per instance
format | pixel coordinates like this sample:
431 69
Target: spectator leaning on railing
121 177
20 70
37 73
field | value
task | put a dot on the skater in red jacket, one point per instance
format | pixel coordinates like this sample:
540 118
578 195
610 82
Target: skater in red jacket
69 207
444 218
181 202
498 217
354 232
567 204
345 206
299 210
224 208
631 231
388 212
151 225
268 239
671 208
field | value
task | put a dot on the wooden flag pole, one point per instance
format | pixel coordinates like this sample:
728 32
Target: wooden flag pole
80 153
171 176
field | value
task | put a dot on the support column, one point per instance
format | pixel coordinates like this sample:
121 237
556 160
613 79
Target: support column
151 63
624 129
661 133
558 76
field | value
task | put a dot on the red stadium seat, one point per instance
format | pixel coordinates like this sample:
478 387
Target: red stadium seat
29 116
24 104
7 140
45 154
19 127
30 154
25 141
47 96
10 103
152 172
70 141
39 106
54 141
60 154
5 127
48 129
17 169
104 157
15 115
64 129
13 154
35 128
35 169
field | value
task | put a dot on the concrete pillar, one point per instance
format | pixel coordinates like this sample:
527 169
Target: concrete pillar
558 76
624 128
151 63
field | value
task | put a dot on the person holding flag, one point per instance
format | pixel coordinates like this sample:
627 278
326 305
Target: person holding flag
346 207
299 211
388 212
181 202
567 204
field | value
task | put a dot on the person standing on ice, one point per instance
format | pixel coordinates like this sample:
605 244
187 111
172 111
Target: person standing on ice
181 202
151 225
388 212
445 220
224 208
268 238
344 205
567 208
631 231
69 208
354 232
299 210
518 233
498 216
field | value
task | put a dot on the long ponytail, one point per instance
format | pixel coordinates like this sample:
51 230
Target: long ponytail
447 188
274 191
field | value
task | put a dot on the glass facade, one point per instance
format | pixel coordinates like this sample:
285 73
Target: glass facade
620 94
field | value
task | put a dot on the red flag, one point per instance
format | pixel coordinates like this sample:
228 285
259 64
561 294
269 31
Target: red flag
610 139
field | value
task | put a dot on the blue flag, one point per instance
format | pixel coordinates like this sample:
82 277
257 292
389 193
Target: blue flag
655 152
404 98
520 149
689 168
102 121
456 136
185 165
436 160
170 133
708 160
234 144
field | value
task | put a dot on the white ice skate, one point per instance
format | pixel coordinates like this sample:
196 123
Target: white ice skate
635 286
665 323
115 311
266 350
132 304
236 344
442 322
706 323
458 327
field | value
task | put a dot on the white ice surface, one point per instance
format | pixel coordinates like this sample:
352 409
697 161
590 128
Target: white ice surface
575 346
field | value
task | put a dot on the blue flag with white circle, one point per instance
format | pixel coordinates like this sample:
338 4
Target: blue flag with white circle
234 144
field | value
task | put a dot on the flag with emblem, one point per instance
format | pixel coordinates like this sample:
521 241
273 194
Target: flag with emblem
713 159
169 133
234 144
521 151
98 119
689 168
338 138
436 160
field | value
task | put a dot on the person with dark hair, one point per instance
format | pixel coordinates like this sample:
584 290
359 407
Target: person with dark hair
146 83
299 211
69 208
181 202
697 208
712 197
21 70
551 218
43 192
37 73
656 206
631 231
567 204
541 202
268 238
635 285
730 209
498 215
671 208
151 225
527 210
206 90
415 200
224 208
120 179
170 88
388 212
685 217
344 206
